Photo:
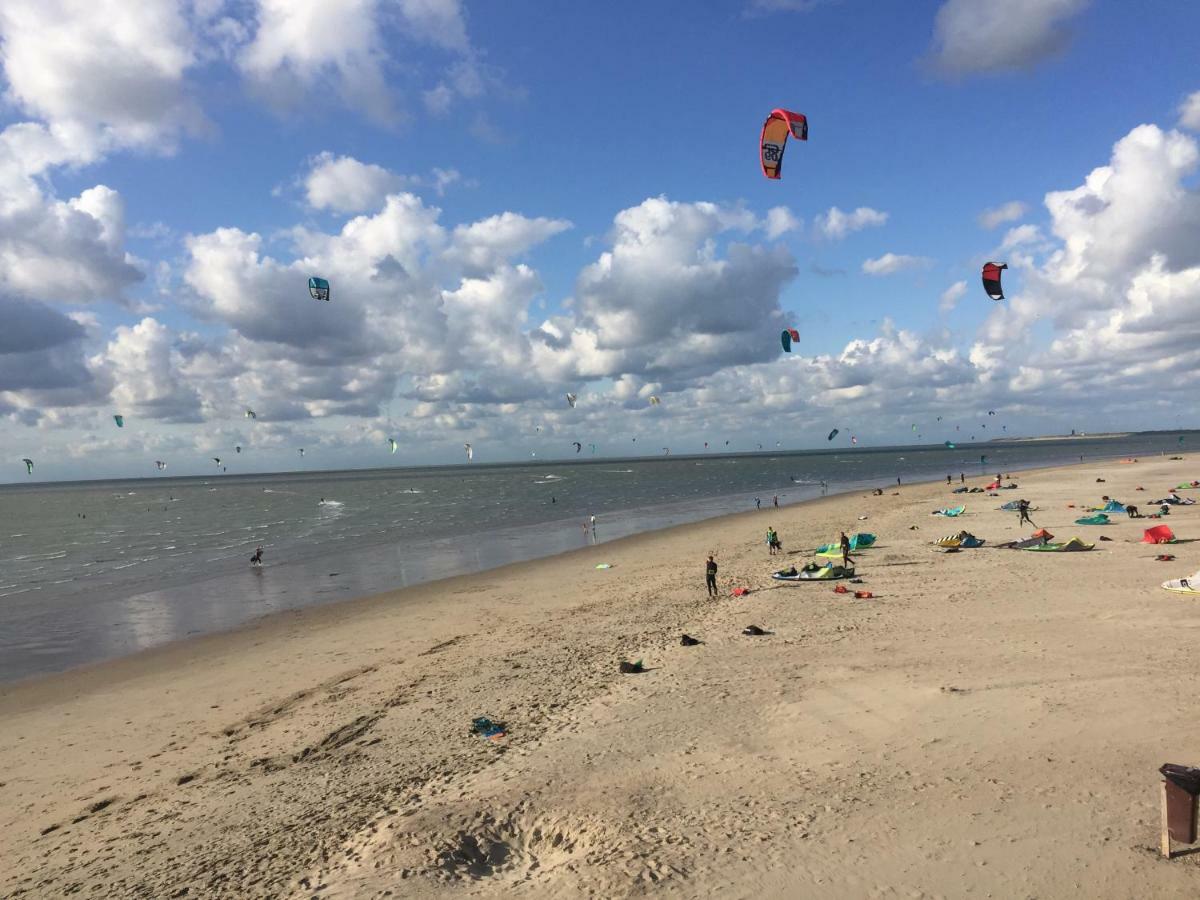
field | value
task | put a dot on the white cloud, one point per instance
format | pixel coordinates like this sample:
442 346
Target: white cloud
836 224
1189 112
951 296
984 36
101 72
344 184
894 262
779 222
1005 212
145 368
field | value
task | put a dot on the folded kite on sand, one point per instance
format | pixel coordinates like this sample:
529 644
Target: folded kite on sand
1097 519
962 539
1159 534
952 512
1071 546
857 542
813 572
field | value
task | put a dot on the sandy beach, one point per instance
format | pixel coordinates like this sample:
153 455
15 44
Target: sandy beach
989 724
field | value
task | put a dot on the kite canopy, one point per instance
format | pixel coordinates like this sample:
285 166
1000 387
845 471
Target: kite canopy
780 123
217 460
159 464
120 420
301 451
949 445
392 444
832 435
237 449
28 465
1159 534
991 279
470 452
654 401
578 446
786 337
251 414
318 289
572 400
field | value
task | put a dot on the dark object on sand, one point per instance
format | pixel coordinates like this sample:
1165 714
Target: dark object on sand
485 727
1180 788
1105 538
754 631
628 668
688 641
1099 481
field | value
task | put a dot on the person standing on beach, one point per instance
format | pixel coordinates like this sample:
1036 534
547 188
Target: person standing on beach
593 523
757 503
1023 511
948 479
710 576
845 543
776 501
962 479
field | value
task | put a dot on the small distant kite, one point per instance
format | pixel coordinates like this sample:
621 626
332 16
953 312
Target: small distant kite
470 452
392 444
654 401
991 412
991 279
237 448
780 123
786 337
28 465
217 460
251 414
667 451
949 445
318 289
578 446
853 439
832 435
572 400
593 448
120 420
301 451
159 464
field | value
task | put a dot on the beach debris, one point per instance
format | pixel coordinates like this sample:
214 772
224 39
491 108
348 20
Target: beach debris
863 595
631 668
485 727
773 140
1180 788
1165 557
754 631
1105 537
688 641
739 592
841 589
318 289
603 565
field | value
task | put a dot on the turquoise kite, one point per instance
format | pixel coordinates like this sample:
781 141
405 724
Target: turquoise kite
318 289
120 420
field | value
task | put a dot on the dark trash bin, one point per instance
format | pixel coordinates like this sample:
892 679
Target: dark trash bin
1180 790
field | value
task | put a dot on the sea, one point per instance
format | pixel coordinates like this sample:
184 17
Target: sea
95 570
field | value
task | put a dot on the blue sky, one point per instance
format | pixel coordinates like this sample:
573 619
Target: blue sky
576 204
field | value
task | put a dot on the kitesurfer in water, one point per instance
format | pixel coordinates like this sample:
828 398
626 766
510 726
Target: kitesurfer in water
256 559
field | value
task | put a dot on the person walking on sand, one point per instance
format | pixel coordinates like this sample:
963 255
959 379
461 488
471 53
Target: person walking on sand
845 544
757 503
962 479
775 499
948 479
256 559
1023 511
710 576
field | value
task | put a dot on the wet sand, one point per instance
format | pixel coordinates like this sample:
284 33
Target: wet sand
990 723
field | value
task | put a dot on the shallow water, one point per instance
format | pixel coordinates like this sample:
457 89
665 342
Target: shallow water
96 570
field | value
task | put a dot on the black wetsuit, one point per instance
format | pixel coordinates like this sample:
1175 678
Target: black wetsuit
710 577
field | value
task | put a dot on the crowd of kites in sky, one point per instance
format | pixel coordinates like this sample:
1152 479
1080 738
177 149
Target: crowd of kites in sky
775 131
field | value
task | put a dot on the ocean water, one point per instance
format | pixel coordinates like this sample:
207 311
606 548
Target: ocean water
91 571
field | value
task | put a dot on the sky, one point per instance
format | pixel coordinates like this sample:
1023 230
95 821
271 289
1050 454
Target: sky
513 201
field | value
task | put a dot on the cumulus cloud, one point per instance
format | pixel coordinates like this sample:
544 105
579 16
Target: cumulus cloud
981 36
951 296
779 222
1189 112
344 184
101 73
836 224
145 369
890 263
1005 212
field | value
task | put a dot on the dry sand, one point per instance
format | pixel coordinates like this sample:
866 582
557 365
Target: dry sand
989 725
